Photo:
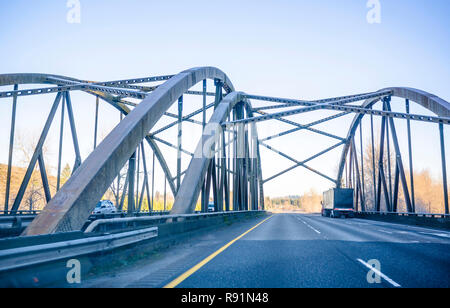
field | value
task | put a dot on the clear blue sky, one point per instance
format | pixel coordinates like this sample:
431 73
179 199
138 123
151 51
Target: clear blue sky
298 49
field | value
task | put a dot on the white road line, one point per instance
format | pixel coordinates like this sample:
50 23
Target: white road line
384 231
392 282
317 231
311 227
436 234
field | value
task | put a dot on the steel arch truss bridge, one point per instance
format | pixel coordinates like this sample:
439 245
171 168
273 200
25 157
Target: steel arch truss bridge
226 165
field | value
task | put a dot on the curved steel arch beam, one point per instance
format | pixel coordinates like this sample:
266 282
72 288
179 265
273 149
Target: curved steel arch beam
429 101
186 199
32 78
72 205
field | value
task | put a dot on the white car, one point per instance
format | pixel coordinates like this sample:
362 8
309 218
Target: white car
211 207
105 207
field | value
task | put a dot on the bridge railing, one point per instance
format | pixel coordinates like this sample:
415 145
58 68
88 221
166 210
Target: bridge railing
405 214
5 213
104 225
13 223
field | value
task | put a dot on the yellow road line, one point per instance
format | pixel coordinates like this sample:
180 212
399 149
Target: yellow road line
188 273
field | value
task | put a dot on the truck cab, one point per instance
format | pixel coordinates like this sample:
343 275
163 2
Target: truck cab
338 202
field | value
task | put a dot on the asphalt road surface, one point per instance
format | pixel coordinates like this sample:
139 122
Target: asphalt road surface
294 251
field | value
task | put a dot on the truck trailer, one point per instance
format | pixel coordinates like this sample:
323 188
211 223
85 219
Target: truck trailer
338 202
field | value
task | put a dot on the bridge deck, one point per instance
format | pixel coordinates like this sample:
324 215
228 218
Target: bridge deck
296 250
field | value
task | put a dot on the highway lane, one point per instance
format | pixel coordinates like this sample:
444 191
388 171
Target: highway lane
294 250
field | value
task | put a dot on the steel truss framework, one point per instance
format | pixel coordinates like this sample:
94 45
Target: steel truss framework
226 160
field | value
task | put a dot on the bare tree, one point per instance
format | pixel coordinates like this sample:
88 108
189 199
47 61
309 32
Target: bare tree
25 146
117 188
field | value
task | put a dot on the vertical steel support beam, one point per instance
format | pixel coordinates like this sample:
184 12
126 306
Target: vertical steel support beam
36 154
165 193
245 170
363 180
180 135
381 176
11 149
411 167
345 171
239 158
350 165
216 172
396 184
399 159
358 179
373 163
207 188
96 122
153 182
61 138
131 180
444 167
204 104
228 168
74 132
144 161
224 178
202 193
138 171
388 142
214 178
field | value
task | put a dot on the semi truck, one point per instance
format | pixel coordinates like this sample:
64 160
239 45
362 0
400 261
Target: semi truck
338 202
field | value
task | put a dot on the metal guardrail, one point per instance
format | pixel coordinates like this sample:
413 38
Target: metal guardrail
406 214
13 219
157 219
15 258
15 222
11 224
125 214
12 213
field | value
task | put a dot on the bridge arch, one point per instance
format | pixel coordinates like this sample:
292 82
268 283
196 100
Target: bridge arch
72 205
430 102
